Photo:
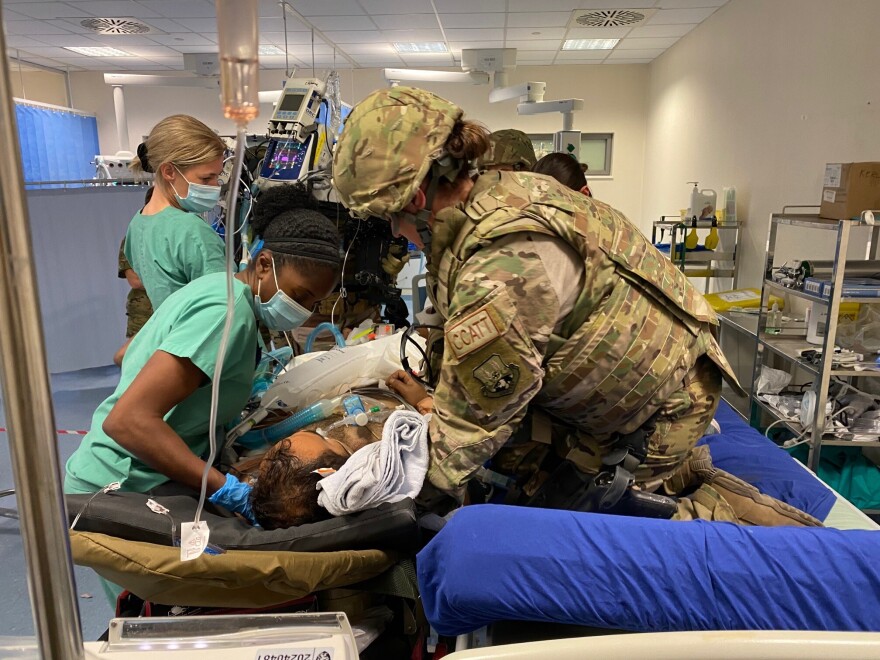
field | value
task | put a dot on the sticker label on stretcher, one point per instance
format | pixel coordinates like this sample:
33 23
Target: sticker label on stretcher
324 653
738 296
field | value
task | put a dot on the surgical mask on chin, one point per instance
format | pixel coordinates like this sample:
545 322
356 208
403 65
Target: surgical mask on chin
199 198
281 313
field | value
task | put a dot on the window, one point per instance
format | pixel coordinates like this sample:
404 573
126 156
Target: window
596 150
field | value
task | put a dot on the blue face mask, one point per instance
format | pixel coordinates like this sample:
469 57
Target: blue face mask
281 313
199 198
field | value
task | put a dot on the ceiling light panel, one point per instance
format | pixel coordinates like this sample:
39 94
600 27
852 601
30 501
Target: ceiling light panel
269 50
98 51
589 44
420 47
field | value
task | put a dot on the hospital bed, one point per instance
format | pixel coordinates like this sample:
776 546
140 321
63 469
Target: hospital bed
493 564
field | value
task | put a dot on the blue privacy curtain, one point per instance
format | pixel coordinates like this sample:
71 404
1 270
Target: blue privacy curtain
56 145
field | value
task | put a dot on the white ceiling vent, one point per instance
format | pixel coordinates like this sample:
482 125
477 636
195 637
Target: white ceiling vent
610 18
116 25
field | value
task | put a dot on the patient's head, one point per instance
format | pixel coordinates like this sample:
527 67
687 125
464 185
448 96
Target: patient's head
285 493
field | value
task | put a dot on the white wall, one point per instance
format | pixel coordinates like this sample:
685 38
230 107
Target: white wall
41 86
761 96
615 99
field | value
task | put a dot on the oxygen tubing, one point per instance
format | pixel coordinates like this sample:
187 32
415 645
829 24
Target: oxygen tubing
340 340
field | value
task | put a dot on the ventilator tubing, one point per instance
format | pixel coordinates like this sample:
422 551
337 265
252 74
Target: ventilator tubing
337 335
314 413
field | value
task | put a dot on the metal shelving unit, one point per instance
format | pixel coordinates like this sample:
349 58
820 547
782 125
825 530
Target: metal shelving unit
786 345
703 263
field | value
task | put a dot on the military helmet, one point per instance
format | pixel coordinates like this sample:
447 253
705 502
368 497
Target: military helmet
509 147
389 143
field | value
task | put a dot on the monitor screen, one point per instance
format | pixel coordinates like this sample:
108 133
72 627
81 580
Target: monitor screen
291 102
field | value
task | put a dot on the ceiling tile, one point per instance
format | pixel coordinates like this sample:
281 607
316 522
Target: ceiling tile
199 24
169 60
428 60
579 62
405 21
415 35
532 45
327 7
33 27
147 66
571 5
467 6
582 55
495 20
375 59
535 19
200 48
49 51
11 15
643 44
667 16
360 22
277 38
487 34
150 52
269 9
598 33
357 37
46 10
526 33
15 41
164 25
371 49
647 54
673 30
123 40
181 8
458 46
397 6
687 4
643 61
72 24
181 39
108 8
306 51
68 40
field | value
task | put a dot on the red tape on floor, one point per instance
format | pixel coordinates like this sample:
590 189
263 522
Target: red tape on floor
58 431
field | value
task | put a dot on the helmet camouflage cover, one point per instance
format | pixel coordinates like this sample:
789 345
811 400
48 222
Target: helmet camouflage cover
387 146
509 147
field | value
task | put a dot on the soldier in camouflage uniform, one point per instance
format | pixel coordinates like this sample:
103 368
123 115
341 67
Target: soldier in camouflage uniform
509 149
555 306
137 306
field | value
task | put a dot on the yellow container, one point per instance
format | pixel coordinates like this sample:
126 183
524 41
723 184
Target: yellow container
723 301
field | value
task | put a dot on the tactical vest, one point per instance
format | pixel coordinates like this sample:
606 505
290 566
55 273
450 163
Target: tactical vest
638 324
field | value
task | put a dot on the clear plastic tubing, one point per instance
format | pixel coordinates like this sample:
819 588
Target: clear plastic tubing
239 59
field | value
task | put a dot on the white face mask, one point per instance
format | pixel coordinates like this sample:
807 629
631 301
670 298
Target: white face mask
281 313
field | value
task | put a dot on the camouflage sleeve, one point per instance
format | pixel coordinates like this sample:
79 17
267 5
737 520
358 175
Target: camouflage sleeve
123 262
500 319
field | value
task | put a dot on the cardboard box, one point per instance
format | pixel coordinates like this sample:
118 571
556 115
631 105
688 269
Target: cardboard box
849 189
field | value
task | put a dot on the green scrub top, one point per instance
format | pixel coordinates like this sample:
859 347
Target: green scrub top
189 325
170 249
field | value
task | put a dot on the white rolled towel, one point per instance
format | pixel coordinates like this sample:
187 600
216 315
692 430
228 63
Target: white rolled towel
386 471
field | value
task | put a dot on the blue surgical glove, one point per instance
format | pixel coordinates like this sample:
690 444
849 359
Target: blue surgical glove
235 495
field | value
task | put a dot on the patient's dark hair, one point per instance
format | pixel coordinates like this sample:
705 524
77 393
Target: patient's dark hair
563 168
298 235
285 494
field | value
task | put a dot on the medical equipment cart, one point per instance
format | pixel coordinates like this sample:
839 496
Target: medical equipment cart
787 343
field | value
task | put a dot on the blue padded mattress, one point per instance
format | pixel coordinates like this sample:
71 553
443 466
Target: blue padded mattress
492 563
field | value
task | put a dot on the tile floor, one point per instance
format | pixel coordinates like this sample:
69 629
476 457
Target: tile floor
75 396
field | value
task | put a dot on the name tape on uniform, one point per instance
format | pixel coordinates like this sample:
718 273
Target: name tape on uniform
471 333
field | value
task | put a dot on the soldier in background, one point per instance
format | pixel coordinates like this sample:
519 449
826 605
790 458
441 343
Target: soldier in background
138 308
577 358
509 150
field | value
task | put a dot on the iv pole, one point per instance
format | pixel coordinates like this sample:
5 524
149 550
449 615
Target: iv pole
32 439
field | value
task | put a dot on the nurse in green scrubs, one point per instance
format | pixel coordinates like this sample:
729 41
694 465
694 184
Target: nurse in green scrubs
150 435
